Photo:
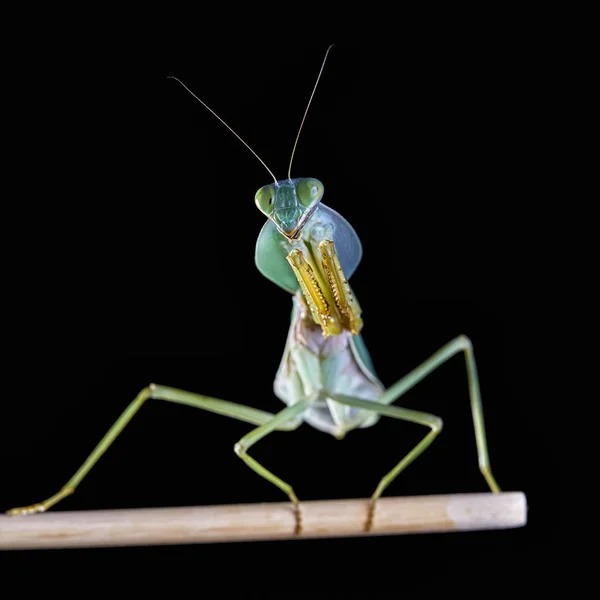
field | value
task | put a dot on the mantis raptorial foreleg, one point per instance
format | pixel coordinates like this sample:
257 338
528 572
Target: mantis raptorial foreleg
283 421
326 290
461 343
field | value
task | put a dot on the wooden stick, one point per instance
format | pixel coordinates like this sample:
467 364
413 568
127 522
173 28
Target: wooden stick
268 521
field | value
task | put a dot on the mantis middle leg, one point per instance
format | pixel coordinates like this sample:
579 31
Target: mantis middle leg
461 343
260 432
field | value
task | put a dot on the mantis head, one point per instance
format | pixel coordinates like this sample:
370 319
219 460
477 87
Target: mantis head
289 203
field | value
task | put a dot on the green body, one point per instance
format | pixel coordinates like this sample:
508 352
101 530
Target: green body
322 368
314 366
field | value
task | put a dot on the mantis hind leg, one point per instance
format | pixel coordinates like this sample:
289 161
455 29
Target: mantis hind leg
282 422
459 344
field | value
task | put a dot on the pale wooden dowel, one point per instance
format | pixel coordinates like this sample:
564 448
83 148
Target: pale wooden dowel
269 521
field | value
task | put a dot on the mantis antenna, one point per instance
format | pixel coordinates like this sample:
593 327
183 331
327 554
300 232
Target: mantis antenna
306 112
230 129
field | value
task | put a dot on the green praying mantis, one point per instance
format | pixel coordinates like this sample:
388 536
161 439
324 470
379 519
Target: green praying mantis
326 377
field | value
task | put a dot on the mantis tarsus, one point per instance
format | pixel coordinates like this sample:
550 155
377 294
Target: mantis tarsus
326 377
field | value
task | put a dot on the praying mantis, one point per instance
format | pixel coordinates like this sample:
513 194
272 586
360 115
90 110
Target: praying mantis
326 376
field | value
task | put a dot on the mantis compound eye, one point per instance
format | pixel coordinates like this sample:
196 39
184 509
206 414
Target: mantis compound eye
264 199
309 191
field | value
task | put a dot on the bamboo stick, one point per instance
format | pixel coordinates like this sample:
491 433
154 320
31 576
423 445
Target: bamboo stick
266 521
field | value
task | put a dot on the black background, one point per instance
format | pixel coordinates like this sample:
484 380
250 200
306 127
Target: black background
138 266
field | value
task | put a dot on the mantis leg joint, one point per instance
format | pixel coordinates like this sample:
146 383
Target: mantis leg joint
239 449
436 424
464 342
